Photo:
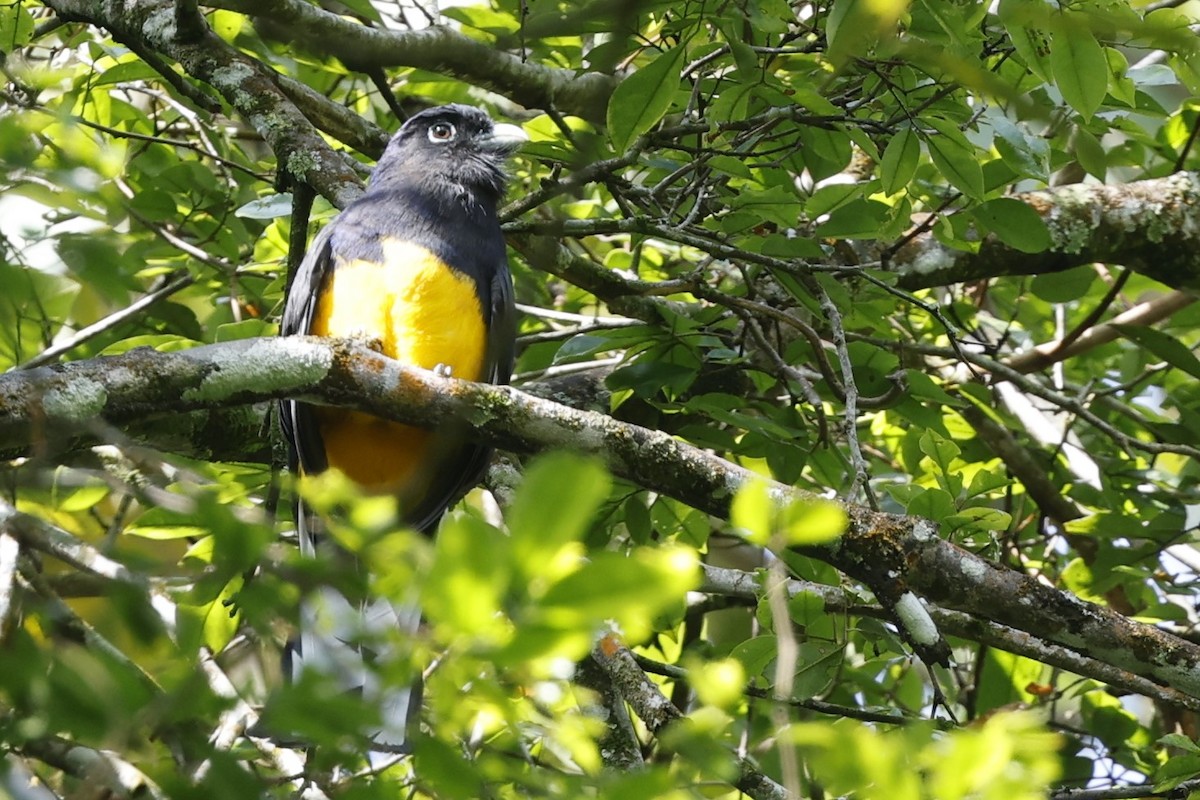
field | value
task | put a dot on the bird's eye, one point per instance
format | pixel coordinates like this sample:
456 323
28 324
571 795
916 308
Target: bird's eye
441 132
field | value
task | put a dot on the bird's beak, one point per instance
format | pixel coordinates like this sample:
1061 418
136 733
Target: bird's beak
507 138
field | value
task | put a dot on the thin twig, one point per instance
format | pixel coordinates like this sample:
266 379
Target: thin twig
1125 792
773 695
1004 372
654 709
114 319
1146 313
837 600
181 143
861 475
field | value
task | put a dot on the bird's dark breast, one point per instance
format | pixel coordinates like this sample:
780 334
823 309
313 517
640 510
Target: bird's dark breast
405 297
465 236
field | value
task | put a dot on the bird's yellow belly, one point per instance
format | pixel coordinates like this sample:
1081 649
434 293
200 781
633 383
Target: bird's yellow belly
420 312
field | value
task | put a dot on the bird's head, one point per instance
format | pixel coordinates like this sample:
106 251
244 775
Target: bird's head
454 149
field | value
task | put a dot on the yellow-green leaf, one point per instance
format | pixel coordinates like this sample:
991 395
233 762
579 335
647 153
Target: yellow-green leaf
751 511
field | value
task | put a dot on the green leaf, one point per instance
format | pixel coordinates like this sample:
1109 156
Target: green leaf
1025 22
269 207
637 519
1065 286
155 205
211 623
900 160
1090 154
1119 84
980 517
1080 69
32 307
442 765
922 386
641 100
1176 771
730 165
934 504
757 654
1108 719
16 26
752 510
649 378
1025 154
221 619
859 219
940 450
621 587
364 9
163 342
125 72
1004 678
987 480
1014 223
480 17
539 522
84 497
628 590
829 198
955 157
580 346
1165 346
97 262
744 56
1178 740
166 532
469 577
776 204
856 27
246 329
813 522
756 514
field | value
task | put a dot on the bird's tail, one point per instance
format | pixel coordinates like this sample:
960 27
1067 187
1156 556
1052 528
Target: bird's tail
339 639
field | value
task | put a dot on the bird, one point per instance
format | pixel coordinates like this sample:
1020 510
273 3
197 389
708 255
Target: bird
417 267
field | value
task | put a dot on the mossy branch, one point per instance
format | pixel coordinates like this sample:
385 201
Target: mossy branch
897 556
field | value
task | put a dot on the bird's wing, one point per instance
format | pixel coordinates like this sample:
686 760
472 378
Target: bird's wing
305 449
502 330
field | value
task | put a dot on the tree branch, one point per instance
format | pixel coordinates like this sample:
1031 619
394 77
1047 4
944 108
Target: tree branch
1146 313
890 553
836 600
438 49
245 83
102 768
655 710
1150 226
619 745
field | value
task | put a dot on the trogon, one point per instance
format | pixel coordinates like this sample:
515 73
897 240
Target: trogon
417 267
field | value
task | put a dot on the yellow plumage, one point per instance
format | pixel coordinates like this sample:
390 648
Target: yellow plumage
423 313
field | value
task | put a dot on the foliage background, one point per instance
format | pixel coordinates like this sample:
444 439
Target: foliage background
790 234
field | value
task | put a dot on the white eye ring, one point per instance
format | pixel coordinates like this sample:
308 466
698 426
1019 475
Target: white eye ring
441 132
